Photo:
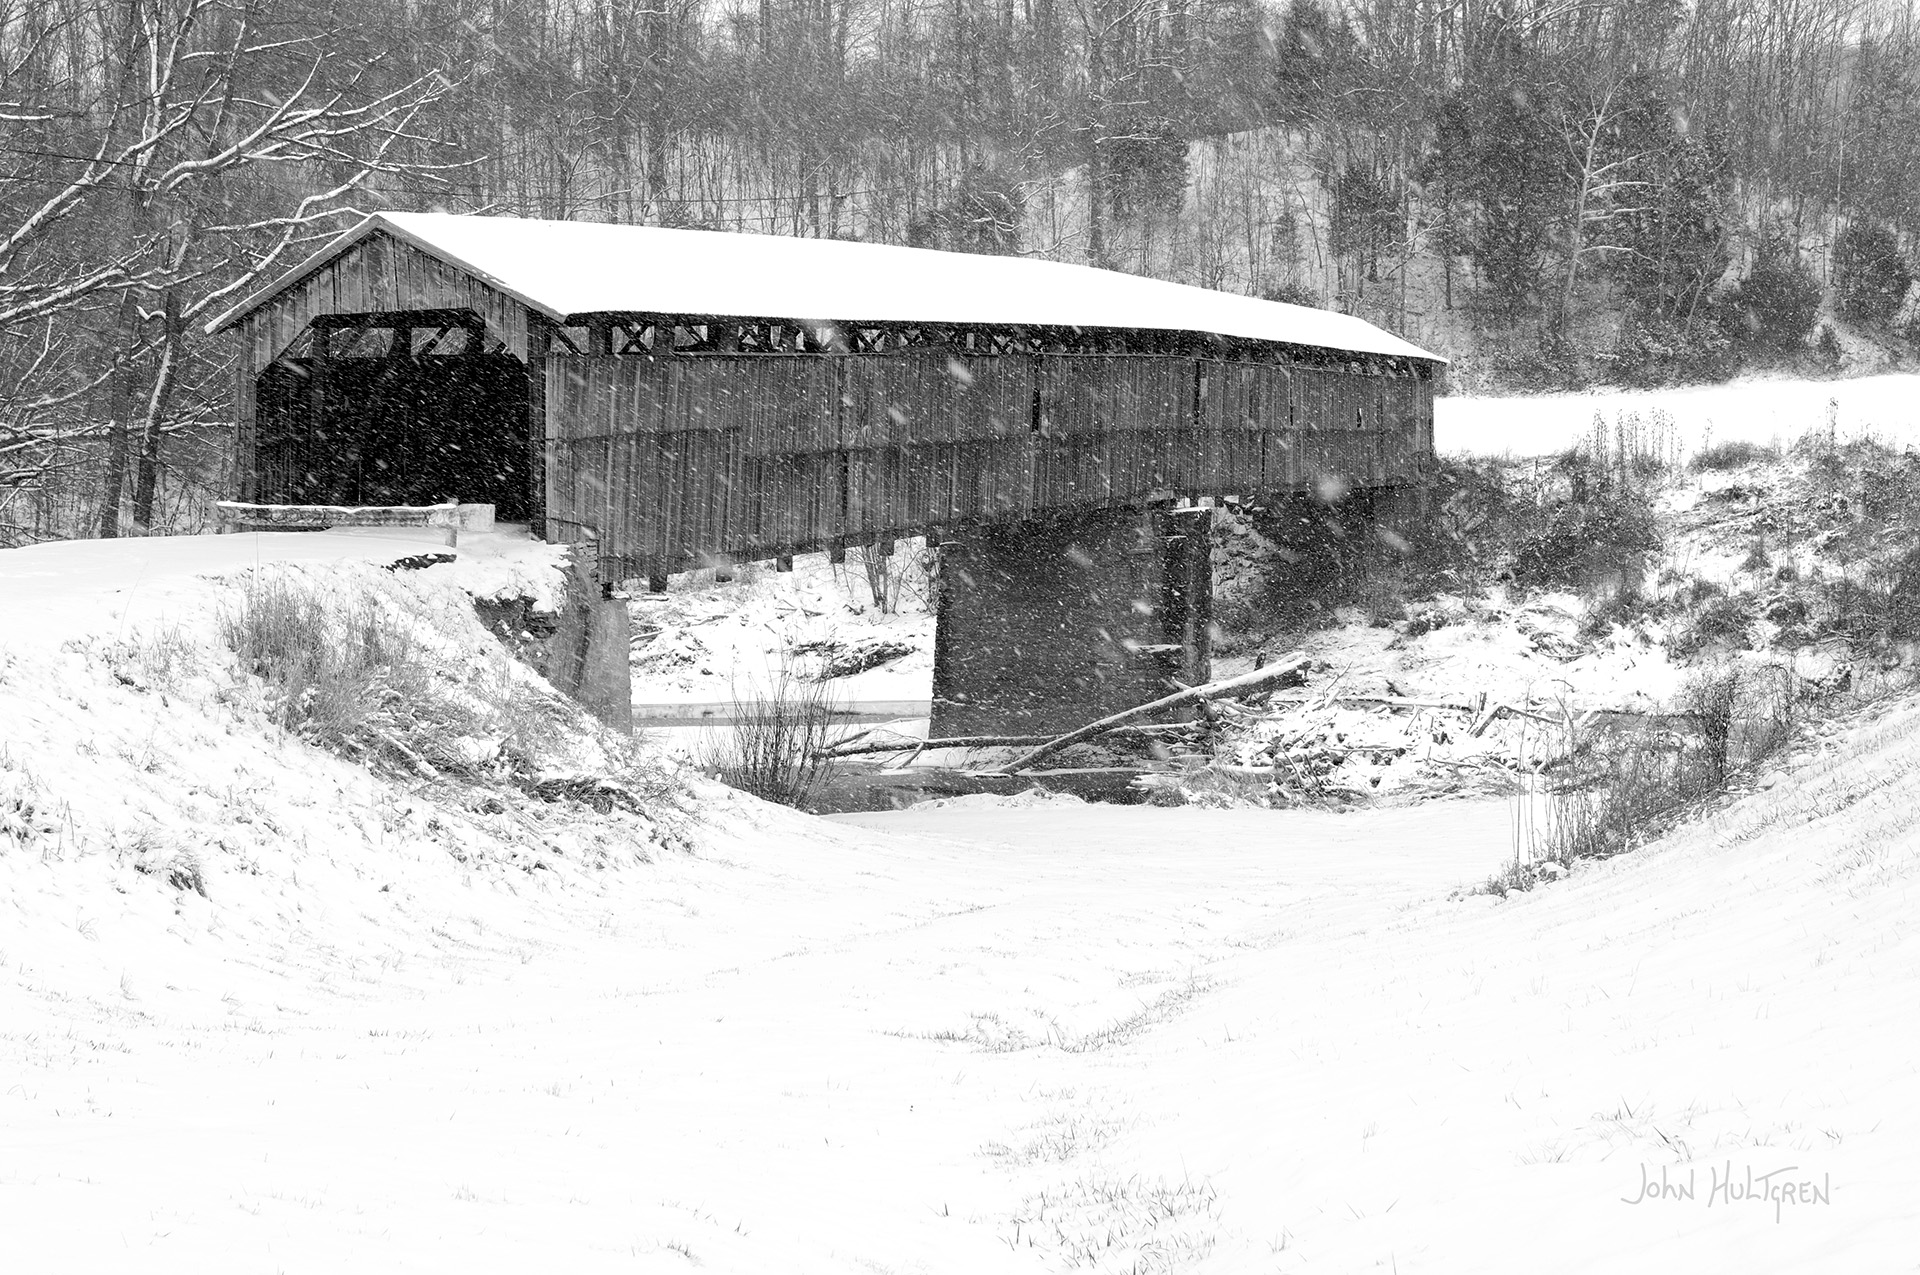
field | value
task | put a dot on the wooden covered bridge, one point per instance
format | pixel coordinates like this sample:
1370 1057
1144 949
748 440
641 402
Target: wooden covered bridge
682 397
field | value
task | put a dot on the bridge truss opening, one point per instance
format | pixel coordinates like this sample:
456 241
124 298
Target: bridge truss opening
395 408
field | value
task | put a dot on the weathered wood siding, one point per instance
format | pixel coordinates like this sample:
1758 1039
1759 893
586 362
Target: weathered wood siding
376 275
665 459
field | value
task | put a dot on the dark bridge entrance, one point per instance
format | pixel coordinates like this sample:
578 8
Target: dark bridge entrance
394 409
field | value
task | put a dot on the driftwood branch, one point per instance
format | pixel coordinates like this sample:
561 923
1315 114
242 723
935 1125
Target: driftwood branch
1194 694
850 748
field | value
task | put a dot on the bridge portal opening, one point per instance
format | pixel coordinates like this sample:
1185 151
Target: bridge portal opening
403 408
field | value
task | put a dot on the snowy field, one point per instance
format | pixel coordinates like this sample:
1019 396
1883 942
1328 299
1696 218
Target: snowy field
1054 1038
1886 408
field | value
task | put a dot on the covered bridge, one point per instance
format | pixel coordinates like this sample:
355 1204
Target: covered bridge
679 397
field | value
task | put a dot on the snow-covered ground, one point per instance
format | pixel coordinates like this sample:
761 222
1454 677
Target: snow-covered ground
979 1038
417 1027
65 589
1768 412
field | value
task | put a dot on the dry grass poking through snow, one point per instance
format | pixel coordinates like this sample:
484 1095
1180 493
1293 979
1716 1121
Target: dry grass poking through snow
1607 794
1120 1224
390 674
1870 787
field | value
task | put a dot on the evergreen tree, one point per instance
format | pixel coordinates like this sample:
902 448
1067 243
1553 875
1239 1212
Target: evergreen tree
1870 278
1779 300
1518 181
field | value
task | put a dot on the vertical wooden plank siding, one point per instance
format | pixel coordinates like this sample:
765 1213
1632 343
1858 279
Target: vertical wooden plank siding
246 438
672 459
540 454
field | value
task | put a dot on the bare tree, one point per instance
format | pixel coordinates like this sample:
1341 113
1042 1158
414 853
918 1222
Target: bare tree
1602 178
202 119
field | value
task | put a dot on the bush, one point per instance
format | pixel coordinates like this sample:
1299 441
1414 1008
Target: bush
1870 278
1710 698
896 573
1604 528
1620 609
1779 300
981 214
1630 790
1293 292
1732 454
1903 602
1723 621
774 748
1861 611
1660 350
1474 504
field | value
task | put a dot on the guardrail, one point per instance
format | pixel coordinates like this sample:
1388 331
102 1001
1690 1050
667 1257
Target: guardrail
452 516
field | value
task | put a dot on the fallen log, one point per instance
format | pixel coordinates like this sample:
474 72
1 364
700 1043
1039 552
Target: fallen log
852 749
1194 694
1391 701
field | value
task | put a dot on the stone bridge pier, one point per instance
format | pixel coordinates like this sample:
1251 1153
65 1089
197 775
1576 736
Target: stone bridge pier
1048 624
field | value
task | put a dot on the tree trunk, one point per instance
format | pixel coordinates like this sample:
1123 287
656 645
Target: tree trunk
119 408
1096 175
148 477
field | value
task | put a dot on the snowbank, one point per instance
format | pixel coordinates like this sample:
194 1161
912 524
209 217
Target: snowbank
69 588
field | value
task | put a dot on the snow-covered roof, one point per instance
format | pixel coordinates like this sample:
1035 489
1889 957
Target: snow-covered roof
569 268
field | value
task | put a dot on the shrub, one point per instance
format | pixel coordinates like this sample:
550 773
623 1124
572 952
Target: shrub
896 573
1779 300
774 747
1717 621
1293 292
1735 453
1605 528
1660 350
1630 448
1861 611
981 214
1473 507
1870 278
1904 598
1629 791
1620 608
1709 698
1698 592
